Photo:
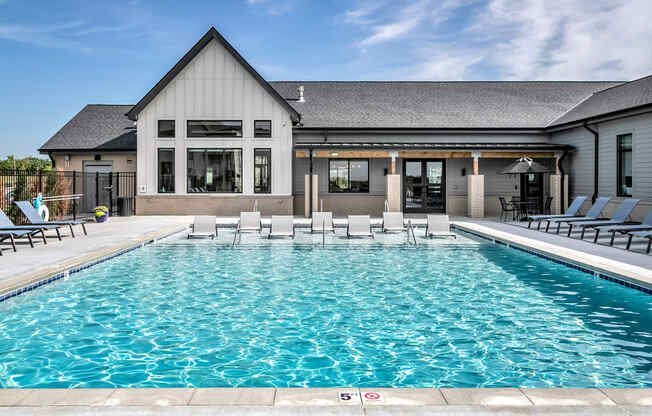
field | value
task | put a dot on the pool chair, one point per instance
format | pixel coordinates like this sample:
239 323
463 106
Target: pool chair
359 226
641 234
11 231
592 215
439 226
624 229
393 222
572 211
204 226
282 226
34 218
12 235
249 222
322 222
618 218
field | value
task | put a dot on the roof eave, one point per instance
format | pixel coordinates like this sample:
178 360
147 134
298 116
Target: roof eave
627 112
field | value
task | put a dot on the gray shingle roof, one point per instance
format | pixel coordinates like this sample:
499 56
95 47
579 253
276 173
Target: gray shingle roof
622 97
96 127
435 104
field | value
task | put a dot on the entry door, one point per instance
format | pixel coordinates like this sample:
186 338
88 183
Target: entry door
424 186
96 172
532 187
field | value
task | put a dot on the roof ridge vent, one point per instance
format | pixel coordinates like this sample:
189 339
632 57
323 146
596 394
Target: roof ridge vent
300 91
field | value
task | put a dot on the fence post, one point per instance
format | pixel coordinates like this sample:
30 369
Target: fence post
74 192
40 181
111 193
97 189
135 192
117 190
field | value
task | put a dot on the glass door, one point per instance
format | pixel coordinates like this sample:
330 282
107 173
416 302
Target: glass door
424 185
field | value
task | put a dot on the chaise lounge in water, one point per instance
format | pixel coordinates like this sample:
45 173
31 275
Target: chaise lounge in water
282 226
322 222
393 222
359 226
438 226
204 226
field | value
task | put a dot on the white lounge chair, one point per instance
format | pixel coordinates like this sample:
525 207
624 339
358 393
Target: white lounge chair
282 226
359 226
322 221
249 222
393 222
204 226
439 226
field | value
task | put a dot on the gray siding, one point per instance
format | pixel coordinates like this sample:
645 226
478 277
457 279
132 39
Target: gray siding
578 165
303 137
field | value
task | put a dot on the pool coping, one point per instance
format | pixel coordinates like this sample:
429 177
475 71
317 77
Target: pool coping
633 277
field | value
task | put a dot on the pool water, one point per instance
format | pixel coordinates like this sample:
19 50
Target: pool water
200 314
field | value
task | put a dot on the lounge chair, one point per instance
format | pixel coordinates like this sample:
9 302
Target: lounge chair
282 226
592 215
642 234
249 222
439 226
204 226
322 222
12 235
618 218
7 227
393 222
572 211
624 229
34 218
359 226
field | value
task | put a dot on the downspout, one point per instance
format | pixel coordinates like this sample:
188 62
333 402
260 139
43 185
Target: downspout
596 149
560 166
310 184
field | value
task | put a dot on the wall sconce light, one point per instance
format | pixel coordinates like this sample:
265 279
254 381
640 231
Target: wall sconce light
385 172
334 154
463 171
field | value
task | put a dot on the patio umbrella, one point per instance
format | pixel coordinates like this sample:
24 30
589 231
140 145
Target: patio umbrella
524 166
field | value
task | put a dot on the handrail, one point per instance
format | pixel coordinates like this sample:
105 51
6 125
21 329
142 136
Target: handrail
411 229
237 228
386 206
323 231
62 197
255 205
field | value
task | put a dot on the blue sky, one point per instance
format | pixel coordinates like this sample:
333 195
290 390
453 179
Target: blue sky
57 56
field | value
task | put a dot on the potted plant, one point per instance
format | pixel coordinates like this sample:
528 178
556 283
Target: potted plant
101 213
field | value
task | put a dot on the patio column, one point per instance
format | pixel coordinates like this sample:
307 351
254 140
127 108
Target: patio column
393 186
475 190
558 206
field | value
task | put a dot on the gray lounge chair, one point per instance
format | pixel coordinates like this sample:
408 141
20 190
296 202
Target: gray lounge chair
624 229
12 235
439 226
592 215
204 226
619 218
641 234
393 222
34 218
249 222
322 222
572 211
359 226
282 226
11 231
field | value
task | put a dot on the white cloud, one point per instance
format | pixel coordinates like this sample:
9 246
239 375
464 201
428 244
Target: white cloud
51 36
273 7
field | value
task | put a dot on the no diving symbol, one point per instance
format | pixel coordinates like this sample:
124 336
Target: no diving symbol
373 396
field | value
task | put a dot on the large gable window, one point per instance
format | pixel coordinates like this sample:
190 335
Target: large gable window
214 128
262 171
214 170
166 171
624 165
348 175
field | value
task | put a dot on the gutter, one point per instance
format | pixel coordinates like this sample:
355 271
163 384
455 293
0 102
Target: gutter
596 164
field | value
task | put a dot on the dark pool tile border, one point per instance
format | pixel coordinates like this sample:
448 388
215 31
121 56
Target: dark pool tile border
60 275
555 259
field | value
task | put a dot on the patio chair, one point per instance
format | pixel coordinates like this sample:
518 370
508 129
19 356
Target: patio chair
249 222
439 226
8 227
506 208
393 222
592 215
12 235
204 226
572 211
645 225
618 218
641 234
322 222
359 226
34 218
282 226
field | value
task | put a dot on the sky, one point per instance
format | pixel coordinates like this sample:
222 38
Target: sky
57 56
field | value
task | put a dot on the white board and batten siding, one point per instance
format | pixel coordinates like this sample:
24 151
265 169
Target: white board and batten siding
214 86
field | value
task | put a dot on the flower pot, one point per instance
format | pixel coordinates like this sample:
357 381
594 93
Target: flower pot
103 218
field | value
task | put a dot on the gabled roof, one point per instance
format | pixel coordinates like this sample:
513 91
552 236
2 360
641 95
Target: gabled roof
96 127
627 96
436 105
194 51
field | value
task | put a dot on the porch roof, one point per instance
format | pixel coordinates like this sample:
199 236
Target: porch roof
547 147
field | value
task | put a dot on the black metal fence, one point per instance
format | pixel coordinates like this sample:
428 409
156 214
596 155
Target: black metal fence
68 194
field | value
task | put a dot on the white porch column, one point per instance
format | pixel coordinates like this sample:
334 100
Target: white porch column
393 186
558 205
306 194
315 193
475 190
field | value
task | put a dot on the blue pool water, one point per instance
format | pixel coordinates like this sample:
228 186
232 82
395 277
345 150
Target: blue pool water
448 315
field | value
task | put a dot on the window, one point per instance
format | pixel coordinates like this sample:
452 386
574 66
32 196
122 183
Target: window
262 171
262 128
215 170
625 165
166 171
214 128
348 175
166 128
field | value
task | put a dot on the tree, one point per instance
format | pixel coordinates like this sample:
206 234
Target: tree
28 163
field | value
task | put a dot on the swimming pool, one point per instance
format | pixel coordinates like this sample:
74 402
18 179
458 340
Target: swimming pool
446 314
